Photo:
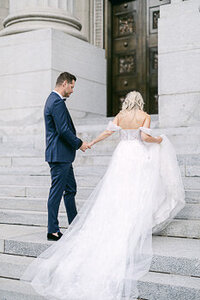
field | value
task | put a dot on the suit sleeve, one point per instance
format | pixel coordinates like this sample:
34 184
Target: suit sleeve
59 116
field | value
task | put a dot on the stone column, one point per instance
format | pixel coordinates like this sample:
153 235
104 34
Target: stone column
27 15
91 14
3 11
179 64
42 39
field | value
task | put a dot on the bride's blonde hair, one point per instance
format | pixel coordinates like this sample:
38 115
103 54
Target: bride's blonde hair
133 100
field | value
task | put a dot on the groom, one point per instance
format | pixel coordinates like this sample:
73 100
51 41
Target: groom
61 146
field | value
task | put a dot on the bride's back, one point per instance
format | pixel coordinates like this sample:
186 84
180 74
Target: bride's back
132 119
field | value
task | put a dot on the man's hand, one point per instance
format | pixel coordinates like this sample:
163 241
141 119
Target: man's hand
90 144
159 139
84 146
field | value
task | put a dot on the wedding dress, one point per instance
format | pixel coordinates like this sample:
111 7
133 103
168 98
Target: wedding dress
108 246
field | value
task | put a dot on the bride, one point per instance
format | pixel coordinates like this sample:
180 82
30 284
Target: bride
108 246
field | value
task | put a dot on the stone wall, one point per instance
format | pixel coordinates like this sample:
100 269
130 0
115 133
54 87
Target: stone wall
179 64
91 15
4 4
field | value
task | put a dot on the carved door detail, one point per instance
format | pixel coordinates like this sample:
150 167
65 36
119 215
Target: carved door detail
132 51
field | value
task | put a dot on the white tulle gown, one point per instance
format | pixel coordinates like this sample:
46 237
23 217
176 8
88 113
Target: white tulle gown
108 246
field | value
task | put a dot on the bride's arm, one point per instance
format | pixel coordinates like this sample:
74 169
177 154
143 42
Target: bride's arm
148 138
106 133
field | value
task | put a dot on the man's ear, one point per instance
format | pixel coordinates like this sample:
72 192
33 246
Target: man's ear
65 83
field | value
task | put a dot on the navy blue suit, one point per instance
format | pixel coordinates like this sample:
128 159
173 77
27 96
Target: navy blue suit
61 146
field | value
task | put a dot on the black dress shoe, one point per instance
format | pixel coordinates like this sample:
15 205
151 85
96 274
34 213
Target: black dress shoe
53 237
60 234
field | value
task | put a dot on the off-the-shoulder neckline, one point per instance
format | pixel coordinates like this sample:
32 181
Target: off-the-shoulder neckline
130 128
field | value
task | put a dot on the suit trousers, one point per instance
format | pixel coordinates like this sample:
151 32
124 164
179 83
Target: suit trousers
63 183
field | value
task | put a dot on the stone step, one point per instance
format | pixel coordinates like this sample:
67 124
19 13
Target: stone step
182 228
89 158
10 151
190 211
88 130
87 180
171 255
185 140
158 286
36 218
45 180
7 150
179 256
152 286
31 204
192 196
22 161
45 170
13 266
37 191
191 183
177 228
84 165
17 290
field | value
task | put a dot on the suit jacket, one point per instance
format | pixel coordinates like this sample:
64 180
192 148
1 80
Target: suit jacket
61 140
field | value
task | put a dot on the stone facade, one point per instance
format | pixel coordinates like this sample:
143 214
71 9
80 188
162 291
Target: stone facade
179 64
4 8
91 14
40 40
30 62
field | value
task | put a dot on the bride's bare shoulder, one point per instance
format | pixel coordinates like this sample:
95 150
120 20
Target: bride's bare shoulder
117 118
143 114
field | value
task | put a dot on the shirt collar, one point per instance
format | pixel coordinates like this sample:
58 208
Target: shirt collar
59 95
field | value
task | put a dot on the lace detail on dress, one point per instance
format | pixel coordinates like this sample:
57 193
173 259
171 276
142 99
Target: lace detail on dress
130 134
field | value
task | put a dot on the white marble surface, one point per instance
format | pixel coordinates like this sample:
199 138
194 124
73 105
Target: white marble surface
179 64
83 59
186 25
29 67
180 109
3 11
179 72
27 15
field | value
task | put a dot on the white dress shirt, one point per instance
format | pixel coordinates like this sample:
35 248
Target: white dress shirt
59 95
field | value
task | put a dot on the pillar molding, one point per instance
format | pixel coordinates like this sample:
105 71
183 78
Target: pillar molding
178 61
27 15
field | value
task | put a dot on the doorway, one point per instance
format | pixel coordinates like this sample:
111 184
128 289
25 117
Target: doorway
132 51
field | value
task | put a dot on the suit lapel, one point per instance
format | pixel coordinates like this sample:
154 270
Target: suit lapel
68 114
70 119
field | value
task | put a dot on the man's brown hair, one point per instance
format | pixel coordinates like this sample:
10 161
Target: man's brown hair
65 76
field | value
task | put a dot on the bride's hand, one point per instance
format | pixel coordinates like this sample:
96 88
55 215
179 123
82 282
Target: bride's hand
159 139
90 144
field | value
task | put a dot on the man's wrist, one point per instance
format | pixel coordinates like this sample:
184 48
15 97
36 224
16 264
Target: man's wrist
81 143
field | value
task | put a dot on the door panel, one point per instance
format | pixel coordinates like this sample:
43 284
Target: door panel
124 50
132 53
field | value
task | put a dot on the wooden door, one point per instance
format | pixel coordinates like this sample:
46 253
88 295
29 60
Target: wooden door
132 51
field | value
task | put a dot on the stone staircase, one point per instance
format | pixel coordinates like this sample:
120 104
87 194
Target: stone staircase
24 185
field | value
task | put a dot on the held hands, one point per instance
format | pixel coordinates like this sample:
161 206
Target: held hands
159 139
85 146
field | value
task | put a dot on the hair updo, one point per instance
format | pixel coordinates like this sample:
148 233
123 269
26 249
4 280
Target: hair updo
133 100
